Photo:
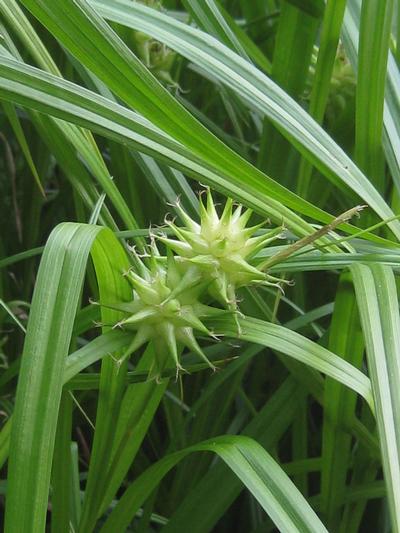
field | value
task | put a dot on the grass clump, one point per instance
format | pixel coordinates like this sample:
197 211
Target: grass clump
288 112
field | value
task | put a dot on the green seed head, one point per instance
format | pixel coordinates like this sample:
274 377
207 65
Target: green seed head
210 258
342 88
220 247
154 54
165 308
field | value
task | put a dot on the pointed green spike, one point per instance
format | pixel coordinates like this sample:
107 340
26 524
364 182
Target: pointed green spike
135 279
203 211
194 240
236 214
160 361
203 310
177 231
248 232
140 316
149 295
218 288
211 211
185 335
153 254
273 234
187 220
167 333
189 319
244 218
144 289
142 336
181 248
226 216
173 275
204 261
255 244
139 265
237 265
125 307
160 286
153 245
198 244
148 275
192 294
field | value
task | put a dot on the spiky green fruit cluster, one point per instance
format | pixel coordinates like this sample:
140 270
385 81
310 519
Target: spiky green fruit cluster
342 87
154 54
221 248
165 309
170 293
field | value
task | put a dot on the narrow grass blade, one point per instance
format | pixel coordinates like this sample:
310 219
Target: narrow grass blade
209 17
345 339
139 405
294 44
109 342
5 433
391 137
117 122
26 85
19 133
75 486
61 475
300 348
329 40
52 130
375 28
378 306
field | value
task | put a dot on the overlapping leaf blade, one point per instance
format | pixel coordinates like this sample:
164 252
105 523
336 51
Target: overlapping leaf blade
54 305
379 311
251 463
258 91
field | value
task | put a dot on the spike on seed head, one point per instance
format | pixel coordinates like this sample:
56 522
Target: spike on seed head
226 217
244 218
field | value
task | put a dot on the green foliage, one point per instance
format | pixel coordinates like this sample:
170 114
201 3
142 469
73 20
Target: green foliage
245 377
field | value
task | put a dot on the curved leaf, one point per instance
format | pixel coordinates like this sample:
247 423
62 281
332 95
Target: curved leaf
380 319
48 337
268 483
300 348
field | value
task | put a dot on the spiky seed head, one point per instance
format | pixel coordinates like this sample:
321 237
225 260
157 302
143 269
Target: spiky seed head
211 257
221 247
165 309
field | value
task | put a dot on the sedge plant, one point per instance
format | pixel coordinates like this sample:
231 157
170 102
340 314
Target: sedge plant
284 336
